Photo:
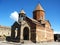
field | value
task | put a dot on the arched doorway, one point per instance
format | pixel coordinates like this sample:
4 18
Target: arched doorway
26 33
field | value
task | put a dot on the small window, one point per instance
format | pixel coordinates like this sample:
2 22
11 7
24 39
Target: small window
43 25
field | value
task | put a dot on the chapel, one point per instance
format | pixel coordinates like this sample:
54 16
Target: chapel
36 29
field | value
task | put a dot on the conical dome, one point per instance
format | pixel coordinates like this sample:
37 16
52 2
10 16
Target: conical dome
39 7
22 11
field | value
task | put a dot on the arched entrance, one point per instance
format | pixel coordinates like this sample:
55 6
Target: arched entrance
26 33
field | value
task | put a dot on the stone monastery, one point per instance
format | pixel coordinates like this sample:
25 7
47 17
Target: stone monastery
36 29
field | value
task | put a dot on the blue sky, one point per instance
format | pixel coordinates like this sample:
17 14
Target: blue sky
51 7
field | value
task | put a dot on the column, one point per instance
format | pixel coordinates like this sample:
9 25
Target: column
21 34
29 35
18 34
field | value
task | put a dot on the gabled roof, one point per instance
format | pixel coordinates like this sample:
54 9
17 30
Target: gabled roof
15 24
39 7
33 21
30 20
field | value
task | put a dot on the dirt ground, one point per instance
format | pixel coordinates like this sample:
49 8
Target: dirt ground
42 43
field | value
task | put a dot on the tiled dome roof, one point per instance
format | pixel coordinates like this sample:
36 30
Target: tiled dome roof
39 7
22 11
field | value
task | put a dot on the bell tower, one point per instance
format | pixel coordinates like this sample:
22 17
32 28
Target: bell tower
39 13
21 15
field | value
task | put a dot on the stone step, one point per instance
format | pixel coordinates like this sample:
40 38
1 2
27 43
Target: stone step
27 41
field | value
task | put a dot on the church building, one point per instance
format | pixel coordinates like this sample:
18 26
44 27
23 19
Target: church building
36 29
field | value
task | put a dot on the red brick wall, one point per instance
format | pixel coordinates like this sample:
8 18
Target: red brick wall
38 14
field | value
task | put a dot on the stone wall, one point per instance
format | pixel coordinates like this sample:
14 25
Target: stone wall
44 34
4 31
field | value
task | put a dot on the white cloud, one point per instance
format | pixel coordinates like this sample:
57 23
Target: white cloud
56 32
14 15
